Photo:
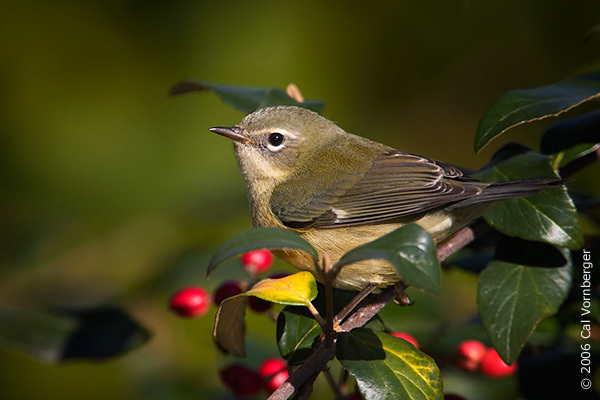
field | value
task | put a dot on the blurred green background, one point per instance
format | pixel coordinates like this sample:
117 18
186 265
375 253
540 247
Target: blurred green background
112 192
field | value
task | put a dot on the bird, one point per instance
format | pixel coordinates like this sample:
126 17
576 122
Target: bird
338 190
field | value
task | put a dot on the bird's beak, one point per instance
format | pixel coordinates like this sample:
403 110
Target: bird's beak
232 133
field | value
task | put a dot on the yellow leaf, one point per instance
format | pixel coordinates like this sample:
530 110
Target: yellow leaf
293 290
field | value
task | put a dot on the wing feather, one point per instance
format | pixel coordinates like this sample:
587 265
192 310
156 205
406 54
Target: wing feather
397 185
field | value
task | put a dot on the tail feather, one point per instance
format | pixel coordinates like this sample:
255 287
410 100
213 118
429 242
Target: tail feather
511 189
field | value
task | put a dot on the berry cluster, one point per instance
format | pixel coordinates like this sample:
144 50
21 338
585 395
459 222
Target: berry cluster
194 301
472 355
244 381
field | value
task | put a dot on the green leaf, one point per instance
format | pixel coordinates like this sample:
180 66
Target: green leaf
549 216
565 134
296 333
97 333
563 158
506 152
524 252
298 289
517 107
410 249
297 329
386 367
256 239
245 99
513 299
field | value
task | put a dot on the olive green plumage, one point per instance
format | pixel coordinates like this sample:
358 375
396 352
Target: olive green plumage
339 190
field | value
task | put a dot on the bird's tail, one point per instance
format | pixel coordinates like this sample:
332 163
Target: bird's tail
511 189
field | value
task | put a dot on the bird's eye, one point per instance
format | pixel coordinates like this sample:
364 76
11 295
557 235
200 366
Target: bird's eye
275 139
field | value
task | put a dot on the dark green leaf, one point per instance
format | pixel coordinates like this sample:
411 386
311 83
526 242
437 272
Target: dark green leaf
524 252
297 328
565 157
506 152
410 249
513 299
565 134
584 201
86 334
245 99
517 107
549 216
386 367
296 333
259 238
474 263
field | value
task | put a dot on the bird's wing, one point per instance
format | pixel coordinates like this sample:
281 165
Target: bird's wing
396 185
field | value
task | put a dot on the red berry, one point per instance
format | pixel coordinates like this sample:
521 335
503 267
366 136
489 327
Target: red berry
259 305
494 367
469 354
257 261
227 289
407 337
190 302
274 373
243 381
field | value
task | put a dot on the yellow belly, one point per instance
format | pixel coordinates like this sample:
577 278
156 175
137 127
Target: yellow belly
338 241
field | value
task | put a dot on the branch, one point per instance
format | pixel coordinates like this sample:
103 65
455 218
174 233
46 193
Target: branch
325 352
317 360
378 301
457 242
350 306
368 311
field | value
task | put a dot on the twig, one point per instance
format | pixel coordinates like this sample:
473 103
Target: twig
343 381
457 242
317 316
350 306
324 353
378 301
329 278
304 392
313 364
368 311
334 387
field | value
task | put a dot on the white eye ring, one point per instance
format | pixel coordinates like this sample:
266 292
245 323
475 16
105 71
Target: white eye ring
277 139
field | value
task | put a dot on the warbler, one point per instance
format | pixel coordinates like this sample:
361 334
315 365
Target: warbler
338 190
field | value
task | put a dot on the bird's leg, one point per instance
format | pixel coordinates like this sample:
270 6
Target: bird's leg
402 298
